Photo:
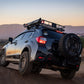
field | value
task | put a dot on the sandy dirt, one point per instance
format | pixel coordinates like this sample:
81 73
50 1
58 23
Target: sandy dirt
82 54
10 75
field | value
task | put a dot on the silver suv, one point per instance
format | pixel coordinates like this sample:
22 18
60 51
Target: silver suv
44 45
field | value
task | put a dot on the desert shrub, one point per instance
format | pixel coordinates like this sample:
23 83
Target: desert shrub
3 42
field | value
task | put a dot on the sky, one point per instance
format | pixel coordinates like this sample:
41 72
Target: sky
65 12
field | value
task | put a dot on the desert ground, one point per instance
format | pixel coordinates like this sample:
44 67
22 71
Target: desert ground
10 75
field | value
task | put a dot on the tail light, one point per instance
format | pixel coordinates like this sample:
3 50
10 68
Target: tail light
77 65
41 40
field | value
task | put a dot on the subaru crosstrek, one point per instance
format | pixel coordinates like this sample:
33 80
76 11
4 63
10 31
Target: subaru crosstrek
44 45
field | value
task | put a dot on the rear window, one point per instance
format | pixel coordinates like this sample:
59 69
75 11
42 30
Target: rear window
51 34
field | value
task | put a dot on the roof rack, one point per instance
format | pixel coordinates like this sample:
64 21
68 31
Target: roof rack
46 24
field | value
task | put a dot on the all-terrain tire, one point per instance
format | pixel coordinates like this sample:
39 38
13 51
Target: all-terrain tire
67 74
24 64
3 61
35 69
70 45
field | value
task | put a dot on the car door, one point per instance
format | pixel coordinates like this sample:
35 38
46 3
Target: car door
22 42
25 40
11 49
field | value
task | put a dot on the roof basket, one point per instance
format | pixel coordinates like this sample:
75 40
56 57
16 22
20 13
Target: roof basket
46 24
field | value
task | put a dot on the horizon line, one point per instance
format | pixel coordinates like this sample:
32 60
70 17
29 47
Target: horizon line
22 24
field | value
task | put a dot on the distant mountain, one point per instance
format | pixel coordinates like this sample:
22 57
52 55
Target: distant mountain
13 30
75 29
10 30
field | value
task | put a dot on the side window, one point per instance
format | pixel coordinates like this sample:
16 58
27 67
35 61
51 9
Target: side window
19 37
27 35
35 34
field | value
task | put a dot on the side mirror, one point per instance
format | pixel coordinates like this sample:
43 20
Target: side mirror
10 39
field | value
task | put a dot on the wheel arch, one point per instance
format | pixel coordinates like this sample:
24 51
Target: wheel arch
28 49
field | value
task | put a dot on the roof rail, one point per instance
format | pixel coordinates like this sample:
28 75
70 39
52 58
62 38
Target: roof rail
45 23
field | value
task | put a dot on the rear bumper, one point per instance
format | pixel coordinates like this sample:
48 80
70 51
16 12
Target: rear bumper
46 58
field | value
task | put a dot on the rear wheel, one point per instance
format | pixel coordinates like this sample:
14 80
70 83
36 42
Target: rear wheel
36 69
67 74
24 64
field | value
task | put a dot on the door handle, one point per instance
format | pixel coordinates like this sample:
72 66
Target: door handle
15 42
26 41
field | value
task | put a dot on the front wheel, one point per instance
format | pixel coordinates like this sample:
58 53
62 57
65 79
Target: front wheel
3 61
67 74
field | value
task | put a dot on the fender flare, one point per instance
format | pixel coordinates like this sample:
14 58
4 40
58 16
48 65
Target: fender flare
27 48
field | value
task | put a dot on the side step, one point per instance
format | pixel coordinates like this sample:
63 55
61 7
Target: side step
12 60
